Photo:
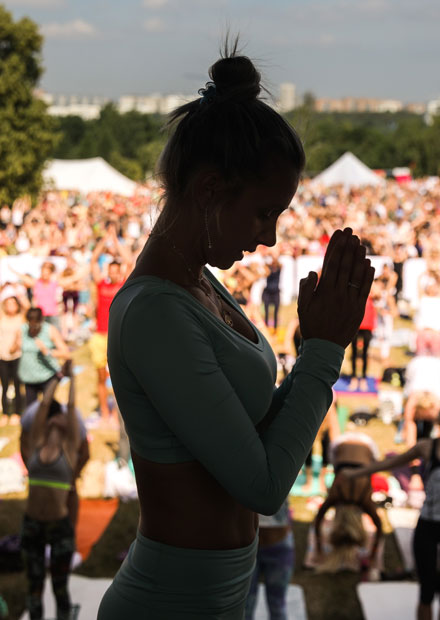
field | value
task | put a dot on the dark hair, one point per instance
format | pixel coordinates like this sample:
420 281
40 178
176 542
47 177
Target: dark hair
36 313
54 408
229 127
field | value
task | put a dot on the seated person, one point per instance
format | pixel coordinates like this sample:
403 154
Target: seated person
350 498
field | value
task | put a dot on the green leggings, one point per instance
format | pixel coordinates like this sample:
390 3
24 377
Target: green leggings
158 581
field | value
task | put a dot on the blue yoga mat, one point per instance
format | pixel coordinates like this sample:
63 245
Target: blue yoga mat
343 382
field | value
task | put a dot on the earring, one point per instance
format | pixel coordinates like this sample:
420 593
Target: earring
207 229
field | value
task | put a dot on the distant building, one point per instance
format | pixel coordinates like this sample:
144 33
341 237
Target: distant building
87 108
151 104
287 99
432 109
358 104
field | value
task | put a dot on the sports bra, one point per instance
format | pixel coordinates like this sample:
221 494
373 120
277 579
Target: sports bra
56 475
189 387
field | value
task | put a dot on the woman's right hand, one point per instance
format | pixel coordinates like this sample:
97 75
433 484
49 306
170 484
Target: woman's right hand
333 308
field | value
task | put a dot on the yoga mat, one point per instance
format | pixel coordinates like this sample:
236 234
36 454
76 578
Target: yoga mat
341 386
390 600
296 604
93 519
403 522
83 591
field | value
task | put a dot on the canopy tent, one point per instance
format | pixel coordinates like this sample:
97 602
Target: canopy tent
348 171
87 175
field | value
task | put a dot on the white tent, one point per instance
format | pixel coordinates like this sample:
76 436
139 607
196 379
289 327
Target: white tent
348 171
87 175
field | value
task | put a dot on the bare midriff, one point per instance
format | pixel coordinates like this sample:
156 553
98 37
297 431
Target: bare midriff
182 505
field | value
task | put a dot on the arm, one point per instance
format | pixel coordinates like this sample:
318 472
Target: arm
94 266
17 343
37 429
409 424
73 436
61 349
328 503
419 450
125 253
370 509
27 280
260 470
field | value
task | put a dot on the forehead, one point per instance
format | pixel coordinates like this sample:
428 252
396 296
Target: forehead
276 185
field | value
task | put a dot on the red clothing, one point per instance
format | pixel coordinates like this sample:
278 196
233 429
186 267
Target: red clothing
106 291
369 320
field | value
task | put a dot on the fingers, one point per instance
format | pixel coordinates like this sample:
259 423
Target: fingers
332 260
357 275
306 289
368 281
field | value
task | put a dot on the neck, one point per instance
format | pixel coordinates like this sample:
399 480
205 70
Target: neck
182 243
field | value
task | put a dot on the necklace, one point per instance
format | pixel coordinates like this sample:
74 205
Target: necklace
200 282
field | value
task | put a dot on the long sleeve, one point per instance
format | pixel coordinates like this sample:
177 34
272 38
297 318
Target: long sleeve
171 354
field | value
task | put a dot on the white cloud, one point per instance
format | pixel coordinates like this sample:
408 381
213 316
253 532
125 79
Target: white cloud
154 4
37 4
154 24
77 28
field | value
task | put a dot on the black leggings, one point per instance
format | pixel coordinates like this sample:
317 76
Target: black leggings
365 335
425 541
34 537
8 374
271 299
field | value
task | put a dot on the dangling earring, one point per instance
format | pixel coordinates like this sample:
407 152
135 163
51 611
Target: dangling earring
207 229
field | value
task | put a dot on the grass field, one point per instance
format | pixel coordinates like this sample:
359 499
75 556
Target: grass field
328 597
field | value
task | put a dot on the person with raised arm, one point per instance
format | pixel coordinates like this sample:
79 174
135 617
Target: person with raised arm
427 533
53 451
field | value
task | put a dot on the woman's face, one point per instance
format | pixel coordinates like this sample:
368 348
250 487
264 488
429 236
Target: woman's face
10 306
250 219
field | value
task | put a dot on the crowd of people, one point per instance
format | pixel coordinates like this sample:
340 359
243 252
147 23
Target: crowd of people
85 248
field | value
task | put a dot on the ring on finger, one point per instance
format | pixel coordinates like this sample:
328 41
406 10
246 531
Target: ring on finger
354 285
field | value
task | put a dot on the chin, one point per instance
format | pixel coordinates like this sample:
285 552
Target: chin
225 263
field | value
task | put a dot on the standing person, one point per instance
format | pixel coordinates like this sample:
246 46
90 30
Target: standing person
41 347
364 334
53 448
107 287
213 442
11 320
427 533
44 291
275 562
271 292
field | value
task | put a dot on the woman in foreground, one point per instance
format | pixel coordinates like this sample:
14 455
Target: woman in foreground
213 442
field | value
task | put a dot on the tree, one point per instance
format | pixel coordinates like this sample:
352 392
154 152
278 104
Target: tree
27 134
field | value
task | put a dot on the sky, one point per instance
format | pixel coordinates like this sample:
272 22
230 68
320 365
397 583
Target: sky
332 48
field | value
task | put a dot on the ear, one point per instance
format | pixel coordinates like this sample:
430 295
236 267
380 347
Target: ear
207 187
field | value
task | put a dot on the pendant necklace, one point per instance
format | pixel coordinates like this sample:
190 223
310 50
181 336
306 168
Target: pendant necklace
200 282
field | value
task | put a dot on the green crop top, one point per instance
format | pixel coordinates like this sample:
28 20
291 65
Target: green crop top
189 387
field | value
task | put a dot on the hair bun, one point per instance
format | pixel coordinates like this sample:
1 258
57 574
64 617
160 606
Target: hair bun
236 77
